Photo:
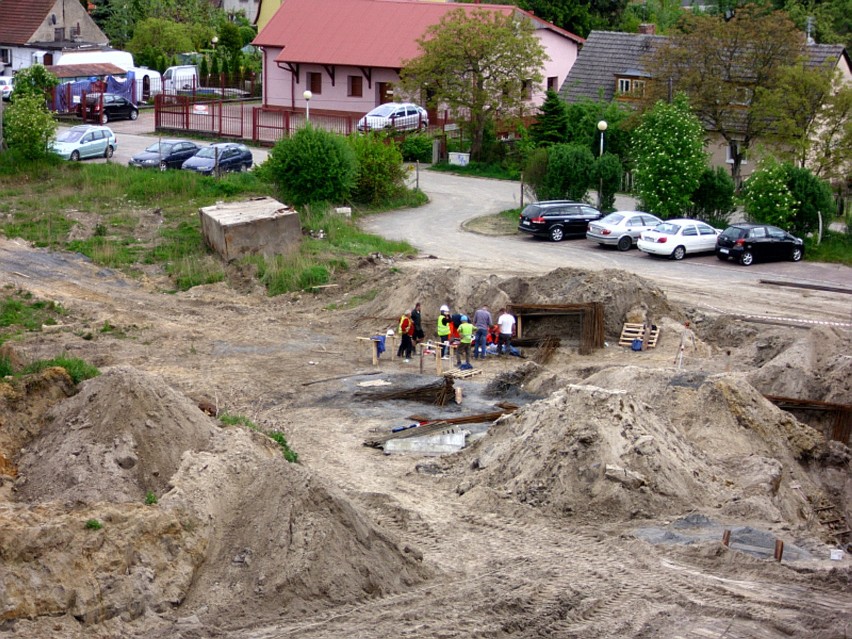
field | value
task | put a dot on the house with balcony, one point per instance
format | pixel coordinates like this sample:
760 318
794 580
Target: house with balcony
38 31
349 53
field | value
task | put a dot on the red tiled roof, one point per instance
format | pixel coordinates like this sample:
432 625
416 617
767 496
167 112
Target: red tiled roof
19 19
369 33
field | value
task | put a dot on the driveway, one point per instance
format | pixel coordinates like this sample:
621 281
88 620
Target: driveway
702 281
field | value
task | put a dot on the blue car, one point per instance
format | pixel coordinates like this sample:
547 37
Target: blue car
84 141
219 158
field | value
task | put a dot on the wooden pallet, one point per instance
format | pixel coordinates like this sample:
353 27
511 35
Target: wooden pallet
457 373
637 331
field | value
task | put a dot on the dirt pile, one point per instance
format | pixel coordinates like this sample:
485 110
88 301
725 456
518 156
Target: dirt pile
644 443
120 437
237 533
621 293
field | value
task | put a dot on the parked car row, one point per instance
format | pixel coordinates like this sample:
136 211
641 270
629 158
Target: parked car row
95 141
675 239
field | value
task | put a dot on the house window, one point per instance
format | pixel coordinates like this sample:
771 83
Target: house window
623 85
731 150
6 56
314 82
637 88
742 96
631 88
59 34
356 86
553 83
526 90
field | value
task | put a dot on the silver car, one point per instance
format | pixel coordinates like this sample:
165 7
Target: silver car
403 116
621 228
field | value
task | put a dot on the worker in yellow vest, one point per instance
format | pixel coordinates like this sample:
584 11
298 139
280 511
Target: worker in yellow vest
465 338
443 331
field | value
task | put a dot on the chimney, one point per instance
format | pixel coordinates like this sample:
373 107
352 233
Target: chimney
648 28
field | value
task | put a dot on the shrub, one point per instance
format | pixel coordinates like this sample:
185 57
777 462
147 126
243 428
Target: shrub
608 170
380 171
77 369
312 166
417 147
535 172
93 524
713 200
570 171
150 498
765 194
813 199
28 127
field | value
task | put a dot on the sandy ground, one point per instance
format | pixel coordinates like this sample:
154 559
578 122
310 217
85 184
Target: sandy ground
595 511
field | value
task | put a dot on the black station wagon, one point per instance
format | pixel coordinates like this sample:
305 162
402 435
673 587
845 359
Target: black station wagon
557 219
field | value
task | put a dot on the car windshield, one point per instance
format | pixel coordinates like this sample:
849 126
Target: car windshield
71 135
383 111
157 147
613 218
667 228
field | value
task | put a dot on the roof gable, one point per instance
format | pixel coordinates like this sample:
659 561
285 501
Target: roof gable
21 19
604 56
368 33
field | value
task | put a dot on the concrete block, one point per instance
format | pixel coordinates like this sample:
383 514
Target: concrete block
437 444
344 211
262 226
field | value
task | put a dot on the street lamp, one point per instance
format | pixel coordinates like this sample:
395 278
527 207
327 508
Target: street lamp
601 128
307 95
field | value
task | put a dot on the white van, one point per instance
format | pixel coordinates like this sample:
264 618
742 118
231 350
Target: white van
180 78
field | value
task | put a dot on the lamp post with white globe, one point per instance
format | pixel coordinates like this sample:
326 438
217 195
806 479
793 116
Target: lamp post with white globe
601 127
307 95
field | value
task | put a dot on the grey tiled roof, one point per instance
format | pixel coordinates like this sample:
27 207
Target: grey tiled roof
605 55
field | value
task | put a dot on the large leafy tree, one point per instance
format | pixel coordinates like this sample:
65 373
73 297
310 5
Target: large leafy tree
164 36
669 156
722 65
583 118
479 65
811 111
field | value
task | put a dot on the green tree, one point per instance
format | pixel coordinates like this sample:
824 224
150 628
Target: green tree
721 65
551 126
312 166
380 171
28 126
713 200
35 80
162 35
479 64
766 196
570 172
608 173
583 118
669 157
811 111
230 40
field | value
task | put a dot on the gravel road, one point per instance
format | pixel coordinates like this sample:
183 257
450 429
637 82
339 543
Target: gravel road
703 281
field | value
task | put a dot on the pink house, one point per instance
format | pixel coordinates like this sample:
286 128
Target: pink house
348 53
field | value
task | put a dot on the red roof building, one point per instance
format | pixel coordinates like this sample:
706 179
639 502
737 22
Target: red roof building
349 53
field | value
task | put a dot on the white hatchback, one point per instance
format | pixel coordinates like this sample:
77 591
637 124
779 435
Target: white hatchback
7 85
400 116
676 238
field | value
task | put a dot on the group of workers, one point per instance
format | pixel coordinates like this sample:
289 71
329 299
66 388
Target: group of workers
458 330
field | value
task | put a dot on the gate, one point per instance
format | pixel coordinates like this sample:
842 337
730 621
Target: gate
182 113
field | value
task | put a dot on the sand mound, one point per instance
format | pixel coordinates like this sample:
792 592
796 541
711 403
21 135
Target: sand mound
650 443
125 432
464 291
817 366
285 541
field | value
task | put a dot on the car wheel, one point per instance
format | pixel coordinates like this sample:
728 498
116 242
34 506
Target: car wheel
163 166
75 156
722 257
104 118
134 114
557 234
108 151
796 255
423 126
747 258
243 168
625 242
678 253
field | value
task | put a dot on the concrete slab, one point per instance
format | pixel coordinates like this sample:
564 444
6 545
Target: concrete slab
262 226
439 444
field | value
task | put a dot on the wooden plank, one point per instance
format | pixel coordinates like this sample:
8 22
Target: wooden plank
632 331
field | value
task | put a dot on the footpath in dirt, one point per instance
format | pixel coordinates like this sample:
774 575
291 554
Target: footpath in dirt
595 510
